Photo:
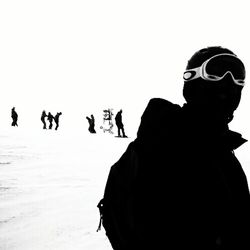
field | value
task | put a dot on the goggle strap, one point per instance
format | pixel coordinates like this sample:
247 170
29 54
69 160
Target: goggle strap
193 74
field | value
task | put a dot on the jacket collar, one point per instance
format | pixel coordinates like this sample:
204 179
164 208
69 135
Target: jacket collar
220 135
232 140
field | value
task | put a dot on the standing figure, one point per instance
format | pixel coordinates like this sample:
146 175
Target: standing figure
179 184
56 119
91 121
119 124
14 117
50 118
43 119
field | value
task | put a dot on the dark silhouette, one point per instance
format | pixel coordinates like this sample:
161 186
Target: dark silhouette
43 116
56 119
14 117
91 121
50 118
119 124
179 184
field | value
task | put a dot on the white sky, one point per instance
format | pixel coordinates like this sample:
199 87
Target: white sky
80 57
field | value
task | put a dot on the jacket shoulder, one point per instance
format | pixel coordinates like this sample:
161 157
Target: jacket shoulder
161 104
159 114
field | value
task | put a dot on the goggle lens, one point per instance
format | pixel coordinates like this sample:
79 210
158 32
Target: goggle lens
219 66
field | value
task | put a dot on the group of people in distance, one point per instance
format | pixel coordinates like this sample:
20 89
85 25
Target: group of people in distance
108 117
50 118
91 121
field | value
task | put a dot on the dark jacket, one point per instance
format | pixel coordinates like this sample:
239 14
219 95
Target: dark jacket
118 119
191 166
189 191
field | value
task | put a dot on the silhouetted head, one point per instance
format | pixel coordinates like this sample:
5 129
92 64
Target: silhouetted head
213 82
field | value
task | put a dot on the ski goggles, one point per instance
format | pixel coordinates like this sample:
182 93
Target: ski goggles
217 67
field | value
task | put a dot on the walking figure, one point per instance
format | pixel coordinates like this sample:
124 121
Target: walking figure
119 124
107 121
14 117
50 118
43 116
91 121
56 119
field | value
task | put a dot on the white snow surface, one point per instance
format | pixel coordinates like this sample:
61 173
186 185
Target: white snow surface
50 184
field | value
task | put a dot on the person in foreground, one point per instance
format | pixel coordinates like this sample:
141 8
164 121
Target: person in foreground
179 184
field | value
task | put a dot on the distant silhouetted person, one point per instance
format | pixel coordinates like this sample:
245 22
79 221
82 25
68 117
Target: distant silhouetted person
14 117
56 119
179 184
43 116
119 124
91 121
50 118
